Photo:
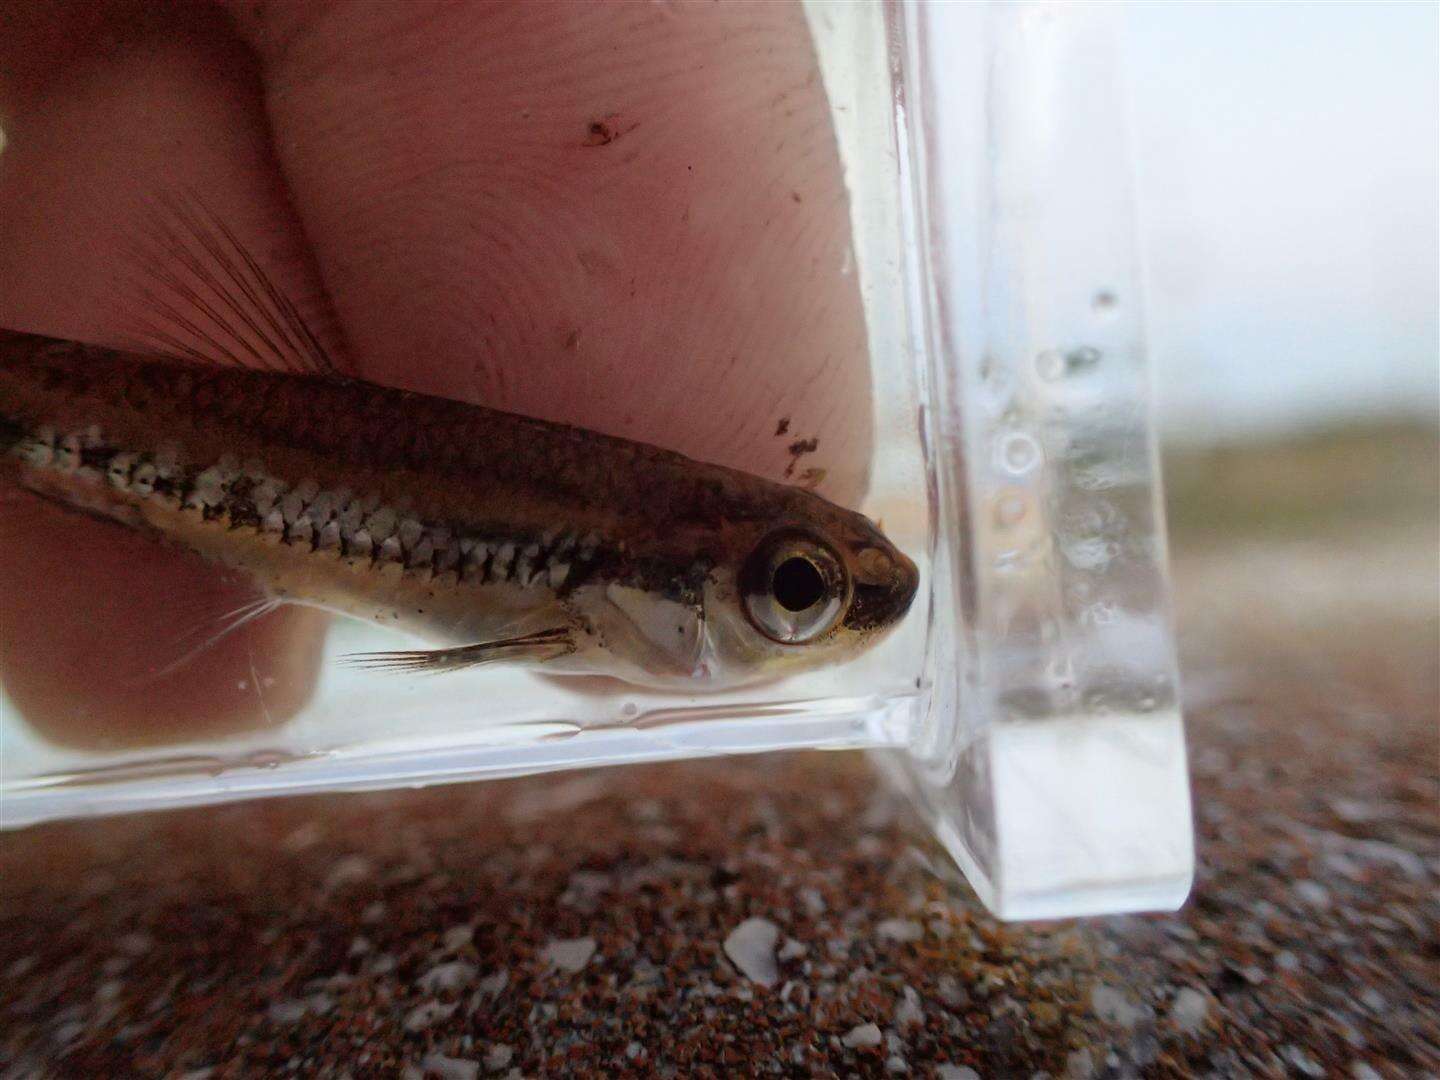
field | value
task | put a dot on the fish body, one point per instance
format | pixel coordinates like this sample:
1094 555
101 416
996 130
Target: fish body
495 537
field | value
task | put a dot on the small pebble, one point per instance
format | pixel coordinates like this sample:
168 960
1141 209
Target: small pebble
425 1015
1113 1007
1302 1061
908 1012
902 930
498 1057
457 937
451 976
373 913
791 950
135 944
1313 893
348 871
951 992
956 1072
318 1004
1189 1010
862 1036
812 899
448 1068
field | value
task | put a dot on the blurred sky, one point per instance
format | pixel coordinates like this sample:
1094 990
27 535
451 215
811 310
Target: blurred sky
1287 159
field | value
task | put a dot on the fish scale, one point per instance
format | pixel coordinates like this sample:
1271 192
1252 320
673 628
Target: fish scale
245 501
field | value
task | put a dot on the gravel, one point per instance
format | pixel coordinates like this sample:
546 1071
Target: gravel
769 915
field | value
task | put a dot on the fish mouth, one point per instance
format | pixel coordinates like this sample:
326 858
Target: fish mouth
883 600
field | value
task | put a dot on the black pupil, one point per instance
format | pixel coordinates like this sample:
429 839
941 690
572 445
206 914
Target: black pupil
797 584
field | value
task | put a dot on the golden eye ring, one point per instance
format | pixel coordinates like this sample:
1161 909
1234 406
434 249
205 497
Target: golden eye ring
794 588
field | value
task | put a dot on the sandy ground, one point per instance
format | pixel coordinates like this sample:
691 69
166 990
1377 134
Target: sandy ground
783 915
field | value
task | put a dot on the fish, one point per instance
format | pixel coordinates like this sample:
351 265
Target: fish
232 433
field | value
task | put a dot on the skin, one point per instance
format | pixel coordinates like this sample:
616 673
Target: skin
627 217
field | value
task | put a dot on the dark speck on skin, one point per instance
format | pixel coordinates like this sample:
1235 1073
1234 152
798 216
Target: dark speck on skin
782 427
798 449
604 131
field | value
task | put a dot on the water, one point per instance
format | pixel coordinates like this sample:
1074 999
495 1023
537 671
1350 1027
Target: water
375 728
990 409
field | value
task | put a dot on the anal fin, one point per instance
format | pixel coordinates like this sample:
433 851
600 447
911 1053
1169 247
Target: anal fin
533 648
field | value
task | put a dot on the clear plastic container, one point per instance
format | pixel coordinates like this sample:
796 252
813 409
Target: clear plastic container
1029 700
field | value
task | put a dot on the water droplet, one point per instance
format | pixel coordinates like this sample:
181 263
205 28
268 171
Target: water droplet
1089 552
1101 613
1053 365
1050 365
1010 508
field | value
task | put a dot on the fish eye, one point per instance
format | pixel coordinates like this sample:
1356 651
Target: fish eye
797 584
794 588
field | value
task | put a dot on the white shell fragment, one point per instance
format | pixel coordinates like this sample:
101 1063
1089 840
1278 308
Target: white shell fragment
570 954
751 948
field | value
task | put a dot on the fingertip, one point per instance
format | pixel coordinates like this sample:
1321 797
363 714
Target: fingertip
88 628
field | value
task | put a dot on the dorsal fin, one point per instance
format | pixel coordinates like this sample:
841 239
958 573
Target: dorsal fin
202 296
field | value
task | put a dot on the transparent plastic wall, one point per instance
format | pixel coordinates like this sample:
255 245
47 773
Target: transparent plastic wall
1052 763
1028 700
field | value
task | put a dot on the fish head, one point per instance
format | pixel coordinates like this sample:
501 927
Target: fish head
817 588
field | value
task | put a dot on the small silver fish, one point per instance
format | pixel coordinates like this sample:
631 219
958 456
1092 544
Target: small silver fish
494 536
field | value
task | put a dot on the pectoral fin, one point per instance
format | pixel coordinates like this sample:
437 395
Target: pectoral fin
533 648
202 296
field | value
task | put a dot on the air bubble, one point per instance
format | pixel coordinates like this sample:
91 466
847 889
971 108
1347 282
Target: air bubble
994 374
1052 365
1017 453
